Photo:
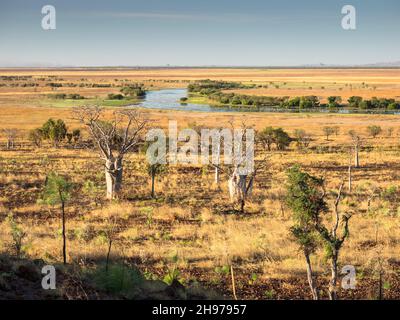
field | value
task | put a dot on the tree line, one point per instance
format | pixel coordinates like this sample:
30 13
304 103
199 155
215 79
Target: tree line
213 91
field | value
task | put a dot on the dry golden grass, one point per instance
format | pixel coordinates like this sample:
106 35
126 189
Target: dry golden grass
188 218
368 83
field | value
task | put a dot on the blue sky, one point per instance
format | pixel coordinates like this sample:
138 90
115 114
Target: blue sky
198 33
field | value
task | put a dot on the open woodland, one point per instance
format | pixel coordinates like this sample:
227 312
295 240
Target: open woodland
190 231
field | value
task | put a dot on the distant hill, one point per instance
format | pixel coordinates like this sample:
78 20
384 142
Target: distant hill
395 64
384 64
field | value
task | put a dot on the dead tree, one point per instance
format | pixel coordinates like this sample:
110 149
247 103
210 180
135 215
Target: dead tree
240 187
242 170
216 168
11 135
356 141
350 179
334 241
114 139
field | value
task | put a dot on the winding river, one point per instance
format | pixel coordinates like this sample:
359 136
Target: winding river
169 99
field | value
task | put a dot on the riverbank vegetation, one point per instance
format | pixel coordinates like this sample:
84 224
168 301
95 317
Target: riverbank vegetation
218 91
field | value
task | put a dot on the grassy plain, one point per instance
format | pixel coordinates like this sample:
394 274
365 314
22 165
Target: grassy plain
190 217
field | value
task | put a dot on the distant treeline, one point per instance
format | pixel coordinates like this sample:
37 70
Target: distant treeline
209 86
62 96
245 100
213 91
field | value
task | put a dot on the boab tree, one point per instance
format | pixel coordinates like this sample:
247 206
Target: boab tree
244 168
237 161
114 139
240 186
11 135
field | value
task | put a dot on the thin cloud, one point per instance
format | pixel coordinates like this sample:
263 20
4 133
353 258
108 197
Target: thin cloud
178 16
268 19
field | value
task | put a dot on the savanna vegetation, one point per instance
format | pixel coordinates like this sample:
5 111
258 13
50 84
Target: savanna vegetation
77 192
218 91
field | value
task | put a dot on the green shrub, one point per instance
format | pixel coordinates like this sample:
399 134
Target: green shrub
119 279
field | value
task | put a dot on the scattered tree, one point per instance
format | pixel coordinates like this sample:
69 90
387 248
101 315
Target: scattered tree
92 190
69 137
336 130
374 131
334 241
266 137
303 139
305 197
281 139
110 233
356 141
17 234
58 191
114 139
54 130
11 135
134 91
240 187
328 131
153 170
36 137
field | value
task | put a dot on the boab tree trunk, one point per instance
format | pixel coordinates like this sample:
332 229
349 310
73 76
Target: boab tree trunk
113 172
240 187
113 138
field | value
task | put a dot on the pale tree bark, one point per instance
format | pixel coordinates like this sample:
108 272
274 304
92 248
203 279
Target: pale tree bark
334 276
11 135
240 187
356 141
113 172
350 179
113 138
216 175
310 277
335 242
216 169
356 156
